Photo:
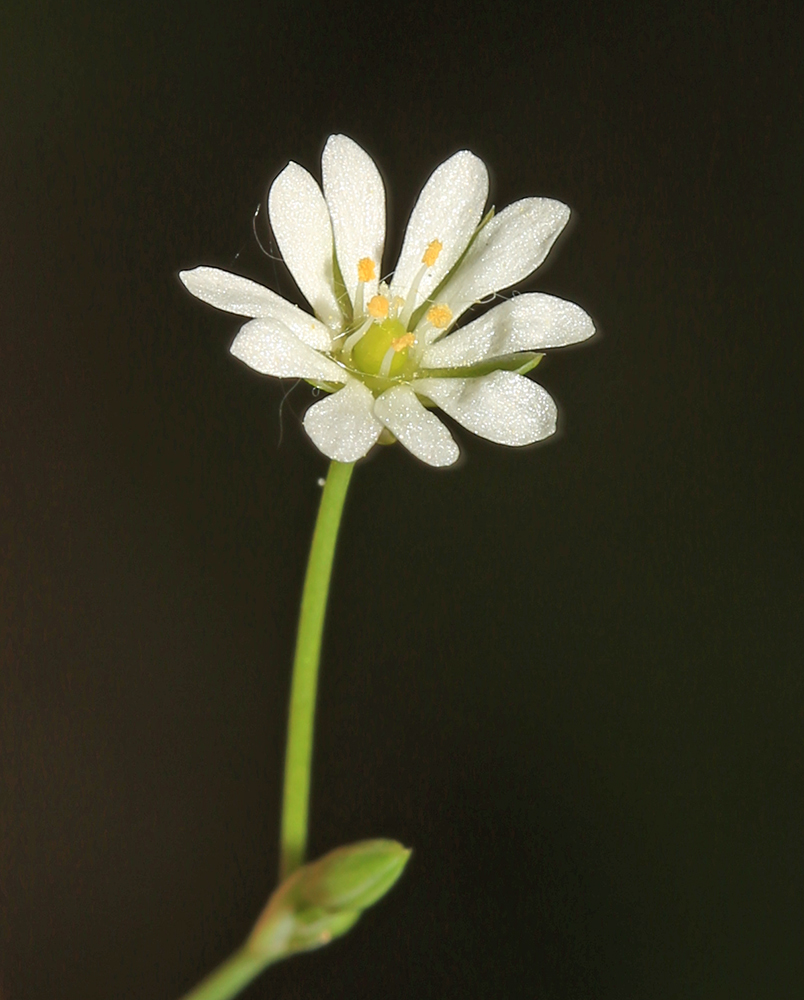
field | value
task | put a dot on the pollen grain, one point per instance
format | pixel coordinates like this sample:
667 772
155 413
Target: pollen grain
365 269
439 316
434 248
400 343
378 307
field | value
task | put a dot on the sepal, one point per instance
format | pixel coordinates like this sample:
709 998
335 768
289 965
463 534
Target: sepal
323 899
520 363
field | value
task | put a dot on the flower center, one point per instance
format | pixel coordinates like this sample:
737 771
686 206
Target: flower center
383 349
380 344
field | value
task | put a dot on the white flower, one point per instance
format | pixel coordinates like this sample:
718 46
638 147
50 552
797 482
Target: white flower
385 352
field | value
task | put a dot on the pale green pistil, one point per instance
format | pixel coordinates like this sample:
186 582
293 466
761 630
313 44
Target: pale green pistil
373 348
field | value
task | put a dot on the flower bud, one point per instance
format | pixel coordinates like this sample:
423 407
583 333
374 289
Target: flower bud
324 899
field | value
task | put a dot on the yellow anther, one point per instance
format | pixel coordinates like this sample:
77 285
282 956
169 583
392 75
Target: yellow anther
431 253
439 316
378 307
400 343
365 269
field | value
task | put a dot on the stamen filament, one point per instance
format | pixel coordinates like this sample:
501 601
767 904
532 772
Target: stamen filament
352 339
359 310
410 299
385 367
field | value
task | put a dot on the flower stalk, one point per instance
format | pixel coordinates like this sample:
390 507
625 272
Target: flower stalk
304 684
229 978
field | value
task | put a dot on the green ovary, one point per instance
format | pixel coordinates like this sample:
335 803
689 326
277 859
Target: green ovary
369 351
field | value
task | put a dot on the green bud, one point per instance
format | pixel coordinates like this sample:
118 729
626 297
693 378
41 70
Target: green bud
353 877
324 899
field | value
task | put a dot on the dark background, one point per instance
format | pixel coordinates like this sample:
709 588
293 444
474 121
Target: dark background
568 676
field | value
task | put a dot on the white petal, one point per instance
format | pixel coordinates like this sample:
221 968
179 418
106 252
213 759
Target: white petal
300 221
235 294
420 431
270 348
355 197
503 407
506 250
526 323
449 209
343 425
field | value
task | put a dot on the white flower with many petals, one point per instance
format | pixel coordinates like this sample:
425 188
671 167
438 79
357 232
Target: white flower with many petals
387 352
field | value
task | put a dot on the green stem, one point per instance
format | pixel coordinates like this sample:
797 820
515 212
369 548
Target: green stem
239 969
299 752
229 978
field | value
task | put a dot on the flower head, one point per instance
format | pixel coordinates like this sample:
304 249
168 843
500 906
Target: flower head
388 351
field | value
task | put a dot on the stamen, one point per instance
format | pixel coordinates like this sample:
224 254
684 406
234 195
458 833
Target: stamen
434 248
378 307
365 272
352 339
439 316
400 343
365 269
410 298
387 361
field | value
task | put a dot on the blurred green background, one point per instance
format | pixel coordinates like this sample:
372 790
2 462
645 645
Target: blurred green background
569 677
